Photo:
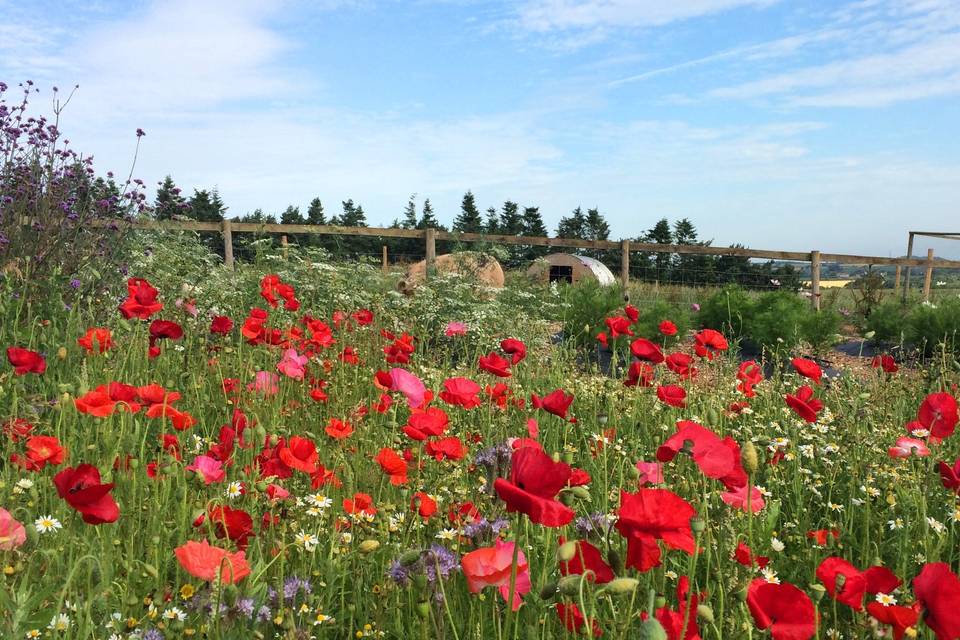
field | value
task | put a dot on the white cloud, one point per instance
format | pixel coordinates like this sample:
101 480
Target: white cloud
549 15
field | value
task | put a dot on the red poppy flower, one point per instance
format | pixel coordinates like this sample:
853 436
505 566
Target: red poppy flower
574 621
672 395
602 339
632 312
423 504
646 350
300 454
393 465
99 335
16 428
492 363
750 375
432 421
650 515
938 413
206 562
141 302
885 362
821 536
446 449
937 590
587 558
674 622
360 503
338 429
272 286
535 480
494 567
639 374
855 583
461 392
230 523
25 361
363 317
556 402
899 617
515 349
783 609
44 450
708 342
667 328
744 555
808 369
717 458
96 403
160 330
400 350
618 326
81 488
221 325
804 404
681 364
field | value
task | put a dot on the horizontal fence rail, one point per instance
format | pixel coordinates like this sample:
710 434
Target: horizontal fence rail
625 247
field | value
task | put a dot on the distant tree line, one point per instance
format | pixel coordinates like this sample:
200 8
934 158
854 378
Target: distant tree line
510 219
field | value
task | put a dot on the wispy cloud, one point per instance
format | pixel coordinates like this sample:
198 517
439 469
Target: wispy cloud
550 15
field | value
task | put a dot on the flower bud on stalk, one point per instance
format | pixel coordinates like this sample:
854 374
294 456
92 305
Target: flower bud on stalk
567 551
749 457
570 585
622 586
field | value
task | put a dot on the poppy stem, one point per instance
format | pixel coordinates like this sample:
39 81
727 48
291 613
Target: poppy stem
513 578
443 592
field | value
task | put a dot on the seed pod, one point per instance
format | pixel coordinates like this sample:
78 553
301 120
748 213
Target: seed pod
651 629
705 613
567 551
615 561
697 524
423 609
749 457
568 457
570 585
817 591
369 546
549 590
580 493
660 602
633 472
409 557
622 586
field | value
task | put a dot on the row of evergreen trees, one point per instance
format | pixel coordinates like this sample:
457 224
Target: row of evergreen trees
509 220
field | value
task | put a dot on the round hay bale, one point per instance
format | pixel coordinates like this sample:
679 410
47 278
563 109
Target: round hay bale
483 268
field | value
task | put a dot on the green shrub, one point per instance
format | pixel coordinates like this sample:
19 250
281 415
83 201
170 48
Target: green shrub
820 329
929 325
648 326
727 310
888 322
775 321
586 304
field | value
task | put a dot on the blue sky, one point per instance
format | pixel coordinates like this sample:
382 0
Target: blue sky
781 125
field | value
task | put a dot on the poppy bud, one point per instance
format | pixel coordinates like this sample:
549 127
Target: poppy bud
423 609
697 524
261 486
549 590
749 457
570 585
409 557
32 534
705 613
622 586
580 493
660 602
566 498
713 416
568 457
62 353
633 472
817 591
230 594
369 546
151 570
615 561
420 582
567 551
869 334
556 456
651 629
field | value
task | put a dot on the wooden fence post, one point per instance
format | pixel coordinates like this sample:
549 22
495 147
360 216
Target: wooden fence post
906 284
227 231
284 246
896 279
384 258
928 276
815 279
624 264
430 235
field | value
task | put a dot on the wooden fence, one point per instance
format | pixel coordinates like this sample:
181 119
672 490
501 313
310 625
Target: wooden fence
430 236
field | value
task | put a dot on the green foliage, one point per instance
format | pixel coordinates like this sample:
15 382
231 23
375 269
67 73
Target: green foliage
585 305
648 326
820 330
888 322
930 325
726 310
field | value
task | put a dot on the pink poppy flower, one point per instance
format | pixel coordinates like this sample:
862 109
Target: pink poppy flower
493 567
650 472
455 329
409 385
265 382
737 498
907 447
293 364
12 533
210 469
